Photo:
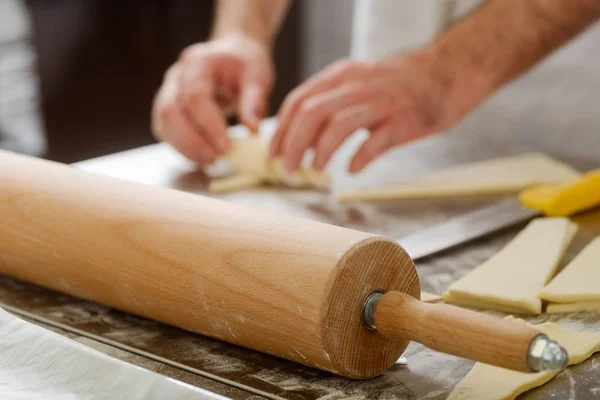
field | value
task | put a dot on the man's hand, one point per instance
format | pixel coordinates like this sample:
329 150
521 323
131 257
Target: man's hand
427 91
397 99
233 72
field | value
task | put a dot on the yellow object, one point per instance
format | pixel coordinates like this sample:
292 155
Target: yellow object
564 199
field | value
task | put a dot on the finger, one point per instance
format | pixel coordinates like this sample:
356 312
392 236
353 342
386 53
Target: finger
381 140
308 122
253 104
181 133
226 102
165 96
197 99
341 126
323 81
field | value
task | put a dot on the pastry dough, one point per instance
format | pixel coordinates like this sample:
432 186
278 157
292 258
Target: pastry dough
579 281
507 175
576 287
430 297
510 280
248 158
559 308
486 382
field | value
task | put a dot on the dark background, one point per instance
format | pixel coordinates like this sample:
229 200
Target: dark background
101 62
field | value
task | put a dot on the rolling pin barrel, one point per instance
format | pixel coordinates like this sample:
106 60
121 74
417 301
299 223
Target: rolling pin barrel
284 286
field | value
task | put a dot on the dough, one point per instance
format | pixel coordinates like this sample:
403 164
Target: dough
39 364
486 382
430 297
510 280
579 281
233 183
559 308
249 159
505 175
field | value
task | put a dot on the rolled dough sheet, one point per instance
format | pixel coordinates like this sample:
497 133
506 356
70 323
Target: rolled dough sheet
506 175
560 308
579 281
511 279
430 297
486 382
249 159
39 364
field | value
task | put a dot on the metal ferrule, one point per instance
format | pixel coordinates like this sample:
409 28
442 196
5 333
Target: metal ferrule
369 306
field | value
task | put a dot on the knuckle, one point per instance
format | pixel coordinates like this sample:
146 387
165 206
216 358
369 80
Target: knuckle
327 142
172 72
183 98
294 97
310 109
338 120
190 51
346 66
165 112
191 96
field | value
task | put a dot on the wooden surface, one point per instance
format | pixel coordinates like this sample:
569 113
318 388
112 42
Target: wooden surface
428 374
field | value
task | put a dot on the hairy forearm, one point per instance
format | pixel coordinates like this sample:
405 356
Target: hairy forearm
260 19
502 39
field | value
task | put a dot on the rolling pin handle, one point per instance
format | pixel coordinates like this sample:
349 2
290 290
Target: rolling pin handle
462 332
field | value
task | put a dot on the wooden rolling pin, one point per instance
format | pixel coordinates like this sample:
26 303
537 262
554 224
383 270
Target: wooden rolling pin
297 289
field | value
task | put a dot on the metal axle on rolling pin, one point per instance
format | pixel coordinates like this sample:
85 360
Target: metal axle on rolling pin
294 288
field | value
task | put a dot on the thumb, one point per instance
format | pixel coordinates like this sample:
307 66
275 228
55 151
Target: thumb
253 103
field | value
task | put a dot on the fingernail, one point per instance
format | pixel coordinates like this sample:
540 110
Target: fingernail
289 167
224 144
208 156
272 151
317 164
273 147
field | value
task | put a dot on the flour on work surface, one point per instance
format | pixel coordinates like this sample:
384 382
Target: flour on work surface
36 363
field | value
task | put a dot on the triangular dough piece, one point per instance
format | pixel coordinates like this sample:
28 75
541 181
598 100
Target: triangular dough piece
579 281
248 157
506 175
486 382
510 280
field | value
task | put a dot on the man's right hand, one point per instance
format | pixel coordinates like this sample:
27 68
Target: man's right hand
232 73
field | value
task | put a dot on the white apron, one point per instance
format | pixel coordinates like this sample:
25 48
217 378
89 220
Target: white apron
555 107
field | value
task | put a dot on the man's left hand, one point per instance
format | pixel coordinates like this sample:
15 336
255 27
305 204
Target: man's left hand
397 99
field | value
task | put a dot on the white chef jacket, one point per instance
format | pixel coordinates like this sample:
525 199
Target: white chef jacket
554 107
